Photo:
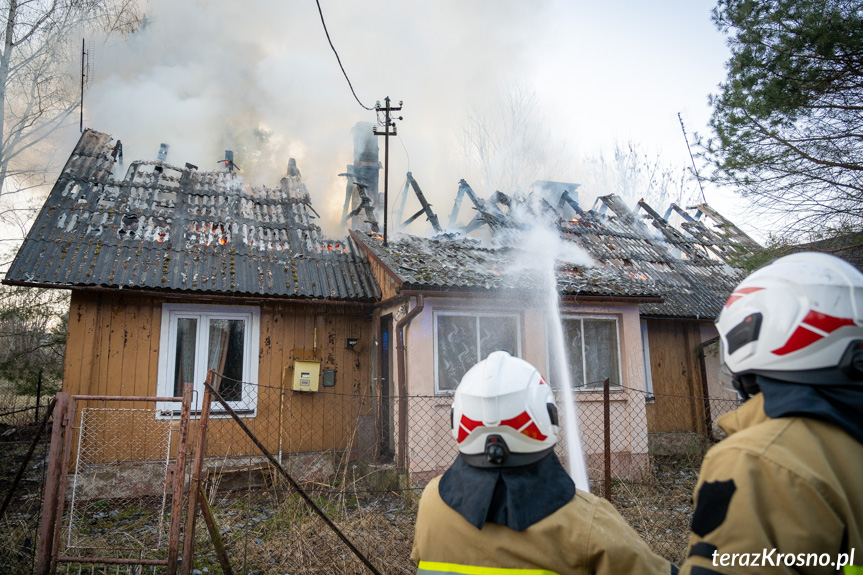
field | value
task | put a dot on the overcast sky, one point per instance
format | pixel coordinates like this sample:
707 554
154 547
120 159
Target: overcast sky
203 75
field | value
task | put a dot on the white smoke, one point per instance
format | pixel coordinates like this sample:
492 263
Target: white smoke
260 79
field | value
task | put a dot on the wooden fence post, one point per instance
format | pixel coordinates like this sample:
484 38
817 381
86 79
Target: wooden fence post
179 480
53 477
200 446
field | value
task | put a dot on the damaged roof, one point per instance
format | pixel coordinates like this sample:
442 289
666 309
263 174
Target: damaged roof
445 263
162 227
678 272
689 265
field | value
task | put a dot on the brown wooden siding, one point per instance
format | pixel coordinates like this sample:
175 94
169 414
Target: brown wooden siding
676 377
385 280
113 349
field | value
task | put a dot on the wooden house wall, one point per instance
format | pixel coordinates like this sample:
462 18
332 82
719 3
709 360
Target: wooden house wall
676 373
388 286
113 349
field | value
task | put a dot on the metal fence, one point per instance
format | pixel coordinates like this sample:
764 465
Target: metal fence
298 482
364 462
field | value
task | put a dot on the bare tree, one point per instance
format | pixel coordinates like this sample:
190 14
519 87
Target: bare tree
38 80
633 173
507 145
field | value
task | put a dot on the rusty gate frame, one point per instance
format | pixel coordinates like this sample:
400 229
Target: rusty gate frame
47 557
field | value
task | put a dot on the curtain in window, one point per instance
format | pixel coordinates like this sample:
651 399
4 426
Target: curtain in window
225 355
184 363
457 349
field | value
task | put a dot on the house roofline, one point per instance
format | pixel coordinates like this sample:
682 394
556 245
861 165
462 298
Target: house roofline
371 253
193 294
572 299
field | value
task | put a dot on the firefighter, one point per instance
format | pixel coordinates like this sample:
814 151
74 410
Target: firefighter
783 493
507 506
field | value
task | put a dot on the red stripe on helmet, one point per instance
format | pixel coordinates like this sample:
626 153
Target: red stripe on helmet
801 338
826 322
739 293
533 431
469 423
462 434
525 424
518 421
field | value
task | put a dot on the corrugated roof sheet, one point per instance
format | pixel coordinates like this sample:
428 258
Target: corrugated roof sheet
688 267
169 228
466 264
690 271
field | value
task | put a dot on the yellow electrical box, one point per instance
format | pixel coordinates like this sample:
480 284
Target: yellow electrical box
307 375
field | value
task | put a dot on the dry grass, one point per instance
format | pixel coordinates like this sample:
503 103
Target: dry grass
19 524
661 510
268 529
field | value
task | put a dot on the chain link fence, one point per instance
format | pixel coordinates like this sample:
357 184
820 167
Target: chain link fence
119 492
301 482
364 460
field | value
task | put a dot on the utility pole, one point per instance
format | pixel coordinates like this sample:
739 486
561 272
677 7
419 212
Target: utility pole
386 133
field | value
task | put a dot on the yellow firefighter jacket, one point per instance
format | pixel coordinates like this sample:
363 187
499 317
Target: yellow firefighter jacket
790 484
585 536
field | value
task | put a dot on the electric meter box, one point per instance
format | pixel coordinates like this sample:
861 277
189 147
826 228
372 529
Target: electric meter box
307 375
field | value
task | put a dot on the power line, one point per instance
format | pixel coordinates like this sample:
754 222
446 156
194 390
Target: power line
697 177
339 60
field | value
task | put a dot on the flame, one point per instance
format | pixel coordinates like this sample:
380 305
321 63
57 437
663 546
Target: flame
223 241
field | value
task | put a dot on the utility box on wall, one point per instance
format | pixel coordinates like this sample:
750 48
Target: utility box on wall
307 375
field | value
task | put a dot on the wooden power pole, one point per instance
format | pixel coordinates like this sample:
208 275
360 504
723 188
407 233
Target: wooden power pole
386 133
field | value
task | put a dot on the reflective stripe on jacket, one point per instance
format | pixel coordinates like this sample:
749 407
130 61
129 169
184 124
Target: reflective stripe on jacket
430 568
585 536
790 485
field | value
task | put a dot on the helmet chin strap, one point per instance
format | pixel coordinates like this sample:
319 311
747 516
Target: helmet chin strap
746 385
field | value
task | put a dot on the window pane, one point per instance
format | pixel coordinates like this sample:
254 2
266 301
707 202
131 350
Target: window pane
184 362
600 351
498 333
572 345
457 353
226 347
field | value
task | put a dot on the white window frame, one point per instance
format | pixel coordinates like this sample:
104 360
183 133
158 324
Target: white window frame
476 315
617 386
247 406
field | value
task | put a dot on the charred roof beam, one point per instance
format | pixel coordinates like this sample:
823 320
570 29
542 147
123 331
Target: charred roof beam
426 207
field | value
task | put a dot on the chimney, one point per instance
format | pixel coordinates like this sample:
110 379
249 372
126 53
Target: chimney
163 152
293 170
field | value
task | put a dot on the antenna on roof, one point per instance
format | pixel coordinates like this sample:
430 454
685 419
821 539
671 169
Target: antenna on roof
697 177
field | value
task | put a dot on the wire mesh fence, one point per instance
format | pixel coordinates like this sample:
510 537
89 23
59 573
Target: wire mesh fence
22 482
361 460
120 497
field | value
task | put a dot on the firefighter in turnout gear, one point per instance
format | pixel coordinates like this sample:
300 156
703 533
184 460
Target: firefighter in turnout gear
783 493
507 506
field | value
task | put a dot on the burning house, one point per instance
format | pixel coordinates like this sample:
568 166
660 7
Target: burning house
174 271
638 315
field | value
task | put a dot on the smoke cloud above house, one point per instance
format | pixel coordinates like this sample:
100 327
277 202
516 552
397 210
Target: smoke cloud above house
260 79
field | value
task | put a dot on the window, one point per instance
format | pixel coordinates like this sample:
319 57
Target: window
197 338
463 339
592 350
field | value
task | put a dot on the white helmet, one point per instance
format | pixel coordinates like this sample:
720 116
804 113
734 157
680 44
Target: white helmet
503 413
798 319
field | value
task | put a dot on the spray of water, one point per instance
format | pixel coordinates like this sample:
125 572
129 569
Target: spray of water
542 249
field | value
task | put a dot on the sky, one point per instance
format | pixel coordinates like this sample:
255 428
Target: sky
209 76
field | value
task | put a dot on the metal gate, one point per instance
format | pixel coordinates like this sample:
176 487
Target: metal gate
114 490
